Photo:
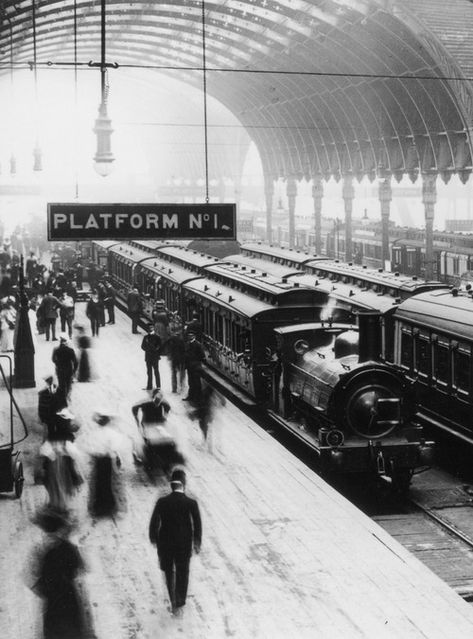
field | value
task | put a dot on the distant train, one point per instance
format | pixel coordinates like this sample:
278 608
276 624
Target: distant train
255 323
452 252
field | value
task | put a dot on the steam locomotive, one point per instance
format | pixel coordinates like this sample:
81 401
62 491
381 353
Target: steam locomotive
334 392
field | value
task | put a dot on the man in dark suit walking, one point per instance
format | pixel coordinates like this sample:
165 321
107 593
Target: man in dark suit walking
175 528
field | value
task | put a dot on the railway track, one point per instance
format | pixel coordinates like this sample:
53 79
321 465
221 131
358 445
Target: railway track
435 524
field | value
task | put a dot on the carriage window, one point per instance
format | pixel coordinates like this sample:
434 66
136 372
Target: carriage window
406 350
423 356
441 359
461 371
411 255
456 265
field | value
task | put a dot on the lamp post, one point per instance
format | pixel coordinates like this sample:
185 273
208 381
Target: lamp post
103 125
24 348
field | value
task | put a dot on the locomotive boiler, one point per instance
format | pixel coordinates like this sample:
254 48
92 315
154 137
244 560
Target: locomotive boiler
355 411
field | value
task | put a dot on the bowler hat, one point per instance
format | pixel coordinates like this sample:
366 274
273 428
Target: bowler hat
178 477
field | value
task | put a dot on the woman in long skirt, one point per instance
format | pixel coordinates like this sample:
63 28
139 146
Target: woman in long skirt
106 495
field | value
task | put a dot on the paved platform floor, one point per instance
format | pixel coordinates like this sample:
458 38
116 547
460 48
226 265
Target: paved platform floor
283 554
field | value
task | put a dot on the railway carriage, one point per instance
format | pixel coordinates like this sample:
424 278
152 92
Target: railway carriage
238 328
293 258
100 252
187 258
158 279
434 348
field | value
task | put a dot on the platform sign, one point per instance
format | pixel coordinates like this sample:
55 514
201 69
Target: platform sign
73 221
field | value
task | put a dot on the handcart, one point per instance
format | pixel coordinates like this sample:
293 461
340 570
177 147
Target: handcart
11 466
159 449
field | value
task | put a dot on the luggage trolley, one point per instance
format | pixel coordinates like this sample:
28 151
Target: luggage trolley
11 466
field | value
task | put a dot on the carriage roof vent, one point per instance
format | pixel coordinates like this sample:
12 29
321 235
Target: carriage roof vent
264 274
243 268
170 270
253 270
206 288
414 277
351 293
336 261
316 282
350 263
296 284
380 270
218 293
284 280
231 299
156 264
364 266
396 274
455 292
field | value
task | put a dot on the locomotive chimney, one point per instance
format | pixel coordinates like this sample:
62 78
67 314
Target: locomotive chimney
369 325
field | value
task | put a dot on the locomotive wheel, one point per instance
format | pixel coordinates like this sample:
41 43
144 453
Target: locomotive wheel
19 480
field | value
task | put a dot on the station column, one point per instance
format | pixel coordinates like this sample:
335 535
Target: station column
385 195
348 194
317 195
429 199
291 192
269 194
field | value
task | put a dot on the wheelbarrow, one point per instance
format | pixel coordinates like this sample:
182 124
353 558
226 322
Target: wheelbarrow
11 466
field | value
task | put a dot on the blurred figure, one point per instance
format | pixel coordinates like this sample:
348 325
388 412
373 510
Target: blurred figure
7 324
135 307
176 352
65 359
48 313
93 310
194 357
102 294
109 302
66 312
106 494
194 326
175 528
151 345
31 264
205 409
60 462
161 321
157 448
84 373
56 568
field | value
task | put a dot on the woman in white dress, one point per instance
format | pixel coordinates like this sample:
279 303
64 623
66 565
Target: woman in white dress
7 324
